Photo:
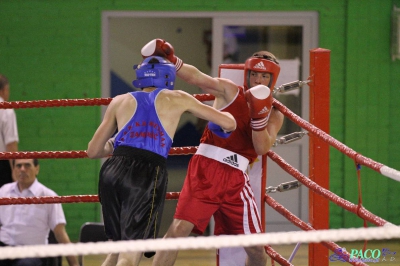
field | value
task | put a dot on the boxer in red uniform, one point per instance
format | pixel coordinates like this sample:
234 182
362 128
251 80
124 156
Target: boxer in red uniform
216 183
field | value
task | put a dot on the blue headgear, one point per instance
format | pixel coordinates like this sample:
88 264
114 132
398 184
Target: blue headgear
155 71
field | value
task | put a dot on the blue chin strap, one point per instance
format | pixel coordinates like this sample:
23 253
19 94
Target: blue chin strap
156 72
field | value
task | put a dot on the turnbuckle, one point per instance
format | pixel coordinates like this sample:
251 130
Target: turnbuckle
289 138
290 86
284 187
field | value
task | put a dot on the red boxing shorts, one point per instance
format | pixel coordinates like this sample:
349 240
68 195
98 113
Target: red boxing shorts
215 188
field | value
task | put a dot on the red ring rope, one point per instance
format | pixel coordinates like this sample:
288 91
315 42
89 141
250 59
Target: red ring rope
74 102
64 199
55 103
301 224
363 213
77 154
327 138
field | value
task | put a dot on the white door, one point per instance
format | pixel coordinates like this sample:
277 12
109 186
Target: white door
289 36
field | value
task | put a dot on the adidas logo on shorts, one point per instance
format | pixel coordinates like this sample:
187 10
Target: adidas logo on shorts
232 160
260 65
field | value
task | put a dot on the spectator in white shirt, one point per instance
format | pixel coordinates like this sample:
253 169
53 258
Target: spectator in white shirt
8 132
30 224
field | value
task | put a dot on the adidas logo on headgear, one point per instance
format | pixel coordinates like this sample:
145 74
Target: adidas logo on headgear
232 160
260 65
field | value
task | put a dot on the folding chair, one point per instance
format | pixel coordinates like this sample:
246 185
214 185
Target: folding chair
91 232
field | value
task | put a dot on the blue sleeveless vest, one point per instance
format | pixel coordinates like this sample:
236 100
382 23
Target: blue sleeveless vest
144 130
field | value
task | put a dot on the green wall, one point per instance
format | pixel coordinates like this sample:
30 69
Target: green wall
51 50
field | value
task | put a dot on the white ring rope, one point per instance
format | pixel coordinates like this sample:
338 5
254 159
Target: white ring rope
390 172
389 231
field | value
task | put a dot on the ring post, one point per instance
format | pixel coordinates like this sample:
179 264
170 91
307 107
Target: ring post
318 149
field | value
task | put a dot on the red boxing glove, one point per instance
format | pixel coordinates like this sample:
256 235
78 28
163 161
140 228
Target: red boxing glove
159 47
260 100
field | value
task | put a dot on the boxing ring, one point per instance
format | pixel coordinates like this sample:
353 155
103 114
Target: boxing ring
315 232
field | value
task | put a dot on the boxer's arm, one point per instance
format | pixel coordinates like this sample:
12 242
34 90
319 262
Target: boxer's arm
219 87
223 119
263 140
218 131
190 74
100 145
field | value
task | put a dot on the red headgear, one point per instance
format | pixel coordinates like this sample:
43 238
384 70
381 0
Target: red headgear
261 63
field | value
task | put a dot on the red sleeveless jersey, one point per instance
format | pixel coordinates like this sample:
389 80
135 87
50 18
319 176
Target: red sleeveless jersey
240 141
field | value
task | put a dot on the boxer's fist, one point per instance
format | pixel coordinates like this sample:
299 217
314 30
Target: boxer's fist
217 130
260 100
159 47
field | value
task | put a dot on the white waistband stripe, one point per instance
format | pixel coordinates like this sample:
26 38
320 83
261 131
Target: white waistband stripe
224 156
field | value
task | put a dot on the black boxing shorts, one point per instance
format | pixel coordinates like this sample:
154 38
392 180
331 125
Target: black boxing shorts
132 190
